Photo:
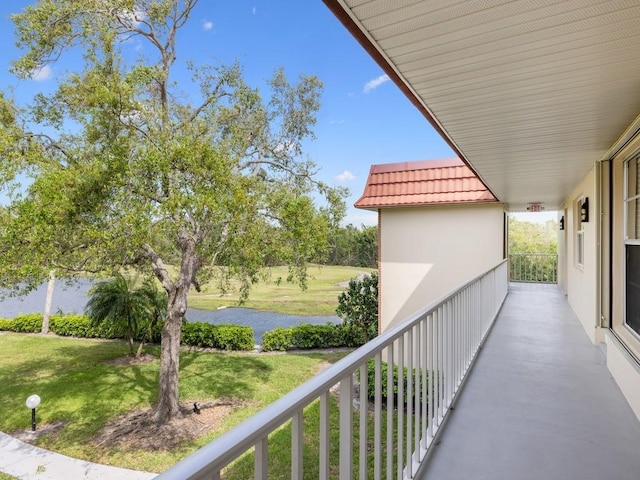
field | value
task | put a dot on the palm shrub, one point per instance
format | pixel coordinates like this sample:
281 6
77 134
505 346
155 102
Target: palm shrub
157 304
122 305
358 305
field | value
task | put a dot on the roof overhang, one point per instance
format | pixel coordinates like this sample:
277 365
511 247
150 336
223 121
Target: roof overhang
420 184
529 94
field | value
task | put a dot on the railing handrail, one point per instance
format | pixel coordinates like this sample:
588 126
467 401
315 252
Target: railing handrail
235 442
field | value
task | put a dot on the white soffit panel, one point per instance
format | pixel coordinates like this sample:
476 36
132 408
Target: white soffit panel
532 92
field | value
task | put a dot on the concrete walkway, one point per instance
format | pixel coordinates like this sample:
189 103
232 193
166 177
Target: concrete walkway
27 462
540 403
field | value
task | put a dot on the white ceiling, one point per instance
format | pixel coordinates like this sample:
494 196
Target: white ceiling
531 93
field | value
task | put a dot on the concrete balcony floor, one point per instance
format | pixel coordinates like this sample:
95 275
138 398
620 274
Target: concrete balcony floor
540 402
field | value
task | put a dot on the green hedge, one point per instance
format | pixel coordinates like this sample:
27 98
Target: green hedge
6 324
79 326
278 339
29 323
199 334
306 336
224 337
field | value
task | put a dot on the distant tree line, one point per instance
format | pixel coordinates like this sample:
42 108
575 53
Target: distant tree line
353 246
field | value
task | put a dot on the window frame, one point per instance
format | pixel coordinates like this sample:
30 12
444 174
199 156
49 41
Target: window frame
626 200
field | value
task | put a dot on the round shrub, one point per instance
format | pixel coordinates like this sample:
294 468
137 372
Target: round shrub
358 305
307 336
234 337
278 339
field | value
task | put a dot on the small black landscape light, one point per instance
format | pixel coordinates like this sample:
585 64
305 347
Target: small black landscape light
562 223
584 210
32 402
196 408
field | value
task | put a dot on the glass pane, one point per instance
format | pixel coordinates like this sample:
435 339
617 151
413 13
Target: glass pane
580 248
632 313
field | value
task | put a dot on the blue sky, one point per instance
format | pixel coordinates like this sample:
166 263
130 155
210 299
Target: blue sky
364 118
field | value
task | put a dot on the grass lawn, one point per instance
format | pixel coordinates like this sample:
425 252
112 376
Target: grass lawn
78 387
273 295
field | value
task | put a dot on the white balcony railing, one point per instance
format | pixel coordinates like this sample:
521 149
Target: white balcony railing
533 267
430 354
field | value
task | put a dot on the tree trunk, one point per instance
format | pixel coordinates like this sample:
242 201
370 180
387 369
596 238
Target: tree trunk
168 395
47 302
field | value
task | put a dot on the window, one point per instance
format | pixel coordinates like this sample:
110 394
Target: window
577 214
632 244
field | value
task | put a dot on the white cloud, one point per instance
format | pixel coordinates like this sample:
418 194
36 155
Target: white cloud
375 83
207 25
345 176
336 122
254 10
42 74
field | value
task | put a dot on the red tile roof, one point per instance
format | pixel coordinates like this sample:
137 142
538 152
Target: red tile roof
428 182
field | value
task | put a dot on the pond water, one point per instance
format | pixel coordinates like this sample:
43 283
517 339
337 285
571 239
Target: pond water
73 298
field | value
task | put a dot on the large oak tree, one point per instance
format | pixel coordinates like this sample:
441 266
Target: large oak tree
125 167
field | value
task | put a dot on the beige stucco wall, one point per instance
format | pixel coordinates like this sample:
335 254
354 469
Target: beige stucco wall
579 282
562 250
426 252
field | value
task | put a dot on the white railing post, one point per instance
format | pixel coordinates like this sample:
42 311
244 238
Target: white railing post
324 437
297 446
260 459
346 427
377 419
364 433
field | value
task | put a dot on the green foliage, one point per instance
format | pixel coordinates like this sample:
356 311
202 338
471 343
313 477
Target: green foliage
223 337
29 323
6 324
530 237
73 326
358 305
234 337
306 336
80 326
278 339
353 246
124 307
533 251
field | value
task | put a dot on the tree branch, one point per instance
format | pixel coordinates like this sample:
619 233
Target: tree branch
159 268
